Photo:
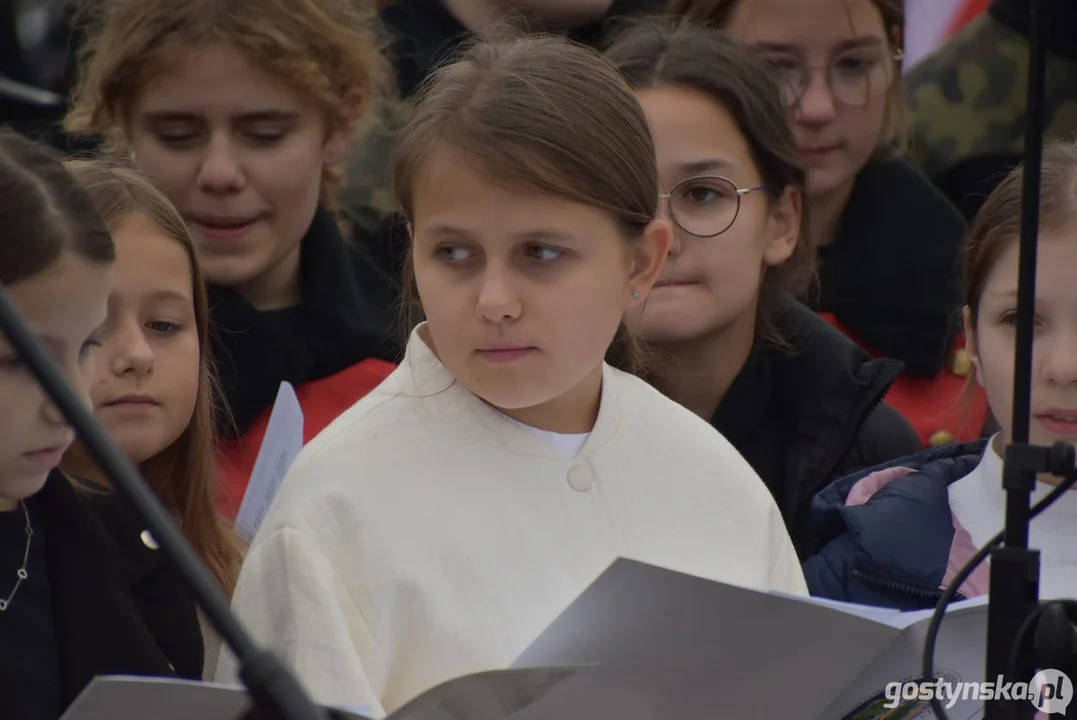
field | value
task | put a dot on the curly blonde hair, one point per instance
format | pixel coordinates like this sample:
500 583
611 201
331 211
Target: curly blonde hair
326 50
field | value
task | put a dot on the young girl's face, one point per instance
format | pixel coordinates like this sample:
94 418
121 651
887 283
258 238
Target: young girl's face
1054 355
145 379
241 155
523 293
834 64
709 283
65 306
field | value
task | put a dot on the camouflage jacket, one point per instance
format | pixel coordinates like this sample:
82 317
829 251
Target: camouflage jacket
968 99
366 196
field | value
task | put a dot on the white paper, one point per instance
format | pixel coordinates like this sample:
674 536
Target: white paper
872 612
645 643
696 648
282 442
124 697
496 695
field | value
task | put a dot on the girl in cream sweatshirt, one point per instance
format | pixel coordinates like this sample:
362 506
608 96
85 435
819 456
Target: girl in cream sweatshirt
439 525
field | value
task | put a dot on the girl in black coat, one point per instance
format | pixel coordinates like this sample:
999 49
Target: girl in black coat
799 401
886 241
82 590
241 122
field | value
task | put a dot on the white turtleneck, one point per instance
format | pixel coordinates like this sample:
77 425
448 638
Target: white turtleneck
423 535
979 503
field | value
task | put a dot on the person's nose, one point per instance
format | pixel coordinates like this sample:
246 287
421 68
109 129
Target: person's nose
498 298
221 170
816 105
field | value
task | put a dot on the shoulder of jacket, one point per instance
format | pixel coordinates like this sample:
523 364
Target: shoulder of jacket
683 433
884 436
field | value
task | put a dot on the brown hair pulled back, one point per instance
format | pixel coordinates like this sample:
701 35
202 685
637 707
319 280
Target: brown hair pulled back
325 50
662 52
183 475
895 132
43 212
543 115
998 223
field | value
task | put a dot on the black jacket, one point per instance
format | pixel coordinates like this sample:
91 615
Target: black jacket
424 34
892 275
117 606
346 316
806 417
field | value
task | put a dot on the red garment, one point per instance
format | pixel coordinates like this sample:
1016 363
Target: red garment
939 409
322 401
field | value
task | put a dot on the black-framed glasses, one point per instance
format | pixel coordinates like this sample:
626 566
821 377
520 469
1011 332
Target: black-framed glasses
705 206
852 79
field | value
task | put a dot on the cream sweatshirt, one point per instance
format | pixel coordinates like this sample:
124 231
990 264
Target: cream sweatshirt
423 535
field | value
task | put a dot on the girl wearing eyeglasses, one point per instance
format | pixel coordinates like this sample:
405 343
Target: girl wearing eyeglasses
799 401
886 240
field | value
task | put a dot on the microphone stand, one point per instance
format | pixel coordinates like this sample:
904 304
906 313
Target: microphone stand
275 693
1014 573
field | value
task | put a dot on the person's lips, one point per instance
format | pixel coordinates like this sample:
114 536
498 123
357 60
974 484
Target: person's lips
817 152
222 228
1060 421
131 402
47 458
504 352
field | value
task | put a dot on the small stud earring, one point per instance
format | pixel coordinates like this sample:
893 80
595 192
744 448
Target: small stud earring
635 294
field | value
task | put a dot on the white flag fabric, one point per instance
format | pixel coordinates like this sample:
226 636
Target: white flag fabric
930 23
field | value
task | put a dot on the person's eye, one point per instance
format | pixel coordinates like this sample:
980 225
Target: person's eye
88 346
780 62
175 135
1009 318
544 253
454 253
266 137
854 65
13 363
163 327
700 194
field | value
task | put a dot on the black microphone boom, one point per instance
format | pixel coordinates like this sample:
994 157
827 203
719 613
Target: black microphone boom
275 693
1014 612
1014 575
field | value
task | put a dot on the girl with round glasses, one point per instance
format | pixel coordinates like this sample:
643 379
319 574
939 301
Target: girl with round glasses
886 240
799 401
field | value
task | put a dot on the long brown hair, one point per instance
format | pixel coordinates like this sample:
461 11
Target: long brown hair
538 114
184 474
675 53
895 132
998 223
43 212
325 50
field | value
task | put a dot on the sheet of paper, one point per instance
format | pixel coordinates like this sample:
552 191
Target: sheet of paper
697 648
975 605
495 695
960 654
645 643
881 614
141 698
282 442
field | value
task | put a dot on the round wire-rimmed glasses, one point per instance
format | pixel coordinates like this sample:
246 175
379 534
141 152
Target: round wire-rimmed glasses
852 79
707 205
